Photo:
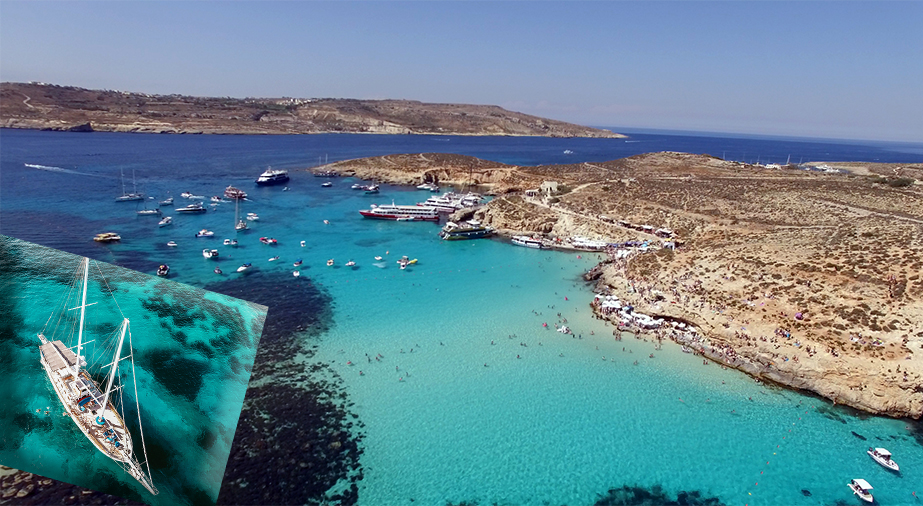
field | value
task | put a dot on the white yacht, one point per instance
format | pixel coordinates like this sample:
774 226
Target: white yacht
210 253
205 233
271 177
528 242
165 221
883 457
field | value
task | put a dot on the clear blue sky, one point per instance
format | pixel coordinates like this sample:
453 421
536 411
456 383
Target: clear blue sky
824 69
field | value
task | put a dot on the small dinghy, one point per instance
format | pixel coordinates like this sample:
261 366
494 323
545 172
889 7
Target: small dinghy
297 262
350 264
378 258
218 270
330 262
302 244
163 270
172 244
296 274
273 259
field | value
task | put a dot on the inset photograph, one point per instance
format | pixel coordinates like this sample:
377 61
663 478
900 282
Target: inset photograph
118 381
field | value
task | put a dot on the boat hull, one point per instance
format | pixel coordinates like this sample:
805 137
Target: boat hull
394 217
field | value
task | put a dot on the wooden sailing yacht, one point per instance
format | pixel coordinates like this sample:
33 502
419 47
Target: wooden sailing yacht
92 407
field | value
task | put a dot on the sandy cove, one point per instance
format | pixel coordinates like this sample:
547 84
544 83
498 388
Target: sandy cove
757 246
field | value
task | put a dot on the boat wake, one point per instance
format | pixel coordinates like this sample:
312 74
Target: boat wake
56 169
380 265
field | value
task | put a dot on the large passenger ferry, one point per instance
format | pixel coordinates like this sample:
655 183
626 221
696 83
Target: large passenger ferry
401 213
271 177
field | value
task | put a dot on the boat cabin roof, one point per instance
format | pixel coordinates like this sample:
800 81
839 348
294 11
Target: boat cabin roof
60 359
882 452
864 485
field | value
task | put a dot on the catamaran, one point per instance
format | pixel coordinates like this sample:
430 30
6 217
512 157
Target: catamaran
92 407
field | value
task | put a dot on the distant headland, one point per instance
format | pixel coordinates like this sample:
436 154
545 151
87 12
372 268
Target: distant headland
66 108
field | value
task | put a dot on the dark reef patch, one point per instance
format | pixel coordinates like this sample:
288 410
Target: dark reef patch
29 489
180 375
860 436
28 422
294 440
206 439
654 496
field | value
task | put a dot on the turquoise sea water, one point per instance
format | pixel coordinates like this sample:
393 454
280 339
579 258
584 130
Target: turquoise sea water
193 352
437 425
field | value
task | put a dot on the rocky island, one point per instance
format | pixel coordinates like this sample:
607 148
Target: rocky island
51 107
811 279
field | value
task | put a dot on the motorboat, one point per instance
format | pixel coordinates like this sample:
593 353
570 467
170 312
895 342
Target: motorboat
429 187
168 202
326 222
568 152
195 207
273 259
470 230
218 270
205 233
350 264
188 195
165 221
234 193
163 270
358 186
233 242
378 259
172 244
286 189
297 262
862 489
296 274
268 240
396 212
216 199
327 173
271 177
244 267
252 217
302 244
883 457
330 263
210 253
328 184
371 189
528 242
107 237
149 212
227 242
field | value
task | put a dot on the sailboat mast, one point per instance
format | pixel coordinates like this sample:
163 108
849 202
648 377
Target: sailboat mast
123 180
83 310
115 366
134 184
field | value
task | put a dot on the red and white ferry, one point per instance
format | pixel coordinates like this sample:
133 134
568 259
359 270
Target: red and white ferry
234 193
398 212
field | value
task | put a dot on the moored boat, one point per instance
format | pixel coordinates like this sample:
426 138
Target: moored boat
528 242
163 270
210 253
168 202
268 240
195 207
429 187
371 189
218 270
883 457
330 263
470 230
297 262
328 184
205 233
172 244
149 212
165 221
107 237
234 193
273 259
862 489
244 267
272 177
350 264
129 197
395 212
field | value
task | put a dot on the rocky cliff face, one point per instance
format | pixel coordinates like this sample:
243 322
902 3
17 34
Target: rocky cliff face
50 107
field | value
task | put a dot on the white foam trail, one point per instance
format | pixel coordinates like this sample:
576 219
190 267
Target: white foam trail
57 169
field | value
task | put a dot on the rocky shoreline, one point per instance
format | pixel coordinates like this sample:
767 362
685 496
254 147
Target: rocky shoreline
779 270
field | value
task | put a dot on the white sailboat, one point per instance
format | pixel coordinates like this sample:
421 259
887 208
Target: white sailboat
239 224
93 409
128 197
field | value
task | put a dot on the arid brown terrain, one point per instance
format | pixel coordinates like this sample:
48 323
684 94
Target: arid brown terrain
808 279
51 107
